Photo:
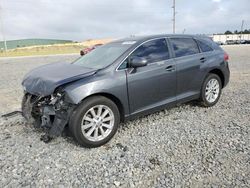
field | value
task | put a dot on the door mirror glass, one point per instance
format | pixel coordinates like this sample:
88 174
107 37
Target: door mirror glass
138 62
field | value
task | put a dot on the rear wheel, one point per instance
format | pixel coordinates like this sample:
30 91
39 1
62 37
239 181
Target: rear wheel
211 90
95 121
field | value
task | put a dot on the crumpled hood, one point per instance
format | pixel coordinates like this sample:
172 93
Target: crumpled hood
45 79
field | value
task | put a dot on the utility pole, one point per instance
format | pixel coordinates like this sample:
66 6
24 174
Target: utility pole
2 29
184 30
241 30
174 13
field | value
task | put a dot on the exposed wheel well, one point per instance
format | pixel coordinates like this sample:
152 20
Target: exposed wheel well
220 74
115 100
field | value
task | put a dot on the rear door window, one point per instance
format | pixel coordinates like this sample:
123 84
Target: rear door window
184 46
204 46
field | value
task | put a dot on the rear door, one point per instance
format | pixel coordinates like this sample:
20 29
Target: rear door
189 61
207 49
153 85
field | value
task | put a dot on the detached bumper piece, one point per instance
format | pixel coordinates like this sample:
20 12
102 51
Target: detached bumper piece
51 113
60 120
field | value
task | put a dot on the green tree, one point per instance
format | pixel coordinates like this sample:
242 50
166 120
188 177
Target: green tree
228 32
246 31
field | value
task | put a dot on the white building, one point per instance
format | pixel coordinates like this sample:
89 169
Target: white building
223 38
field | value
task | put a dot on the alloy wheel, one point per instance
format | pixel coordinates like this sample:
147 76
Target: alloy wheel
97 123
212 90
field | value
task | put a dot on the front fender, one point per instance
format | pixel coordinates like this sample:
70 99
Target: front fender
113 84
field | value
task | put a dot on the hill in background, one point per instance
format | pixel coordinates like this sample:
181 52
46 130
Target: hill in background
11 44
29 47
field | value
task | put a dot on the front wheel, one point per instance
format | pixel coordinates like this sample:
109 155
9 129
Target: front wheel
95 121
211 90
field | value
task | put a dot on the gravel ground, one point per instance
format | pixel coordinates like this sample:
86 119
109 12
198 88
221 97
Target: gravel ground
186 146
12 71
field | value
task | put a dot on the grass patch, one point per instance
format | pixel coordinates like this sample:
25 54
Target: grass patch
44 50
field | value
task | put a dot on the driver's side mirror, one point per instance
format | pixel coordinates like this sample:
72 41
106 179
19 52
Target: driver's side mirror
138 62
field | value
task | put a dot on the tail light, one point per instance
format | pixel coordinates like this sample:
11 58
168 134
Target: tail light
226 57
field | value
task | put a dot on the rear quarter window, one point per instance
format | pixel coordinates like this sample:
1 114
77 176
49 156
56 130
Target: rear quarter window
211 43
204 46
184 46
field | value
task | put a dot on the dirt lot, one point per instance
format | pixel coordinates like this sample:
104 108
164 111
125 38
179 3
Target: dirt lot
12 72
185 146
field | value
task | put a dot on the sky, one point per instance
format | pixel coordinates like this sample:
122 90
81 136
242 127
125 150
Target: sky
80 20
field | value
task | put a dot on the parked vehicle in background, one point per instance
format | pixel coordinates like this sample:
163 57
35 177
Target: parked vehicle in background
245 41
231 42
122 80
219 43
89 49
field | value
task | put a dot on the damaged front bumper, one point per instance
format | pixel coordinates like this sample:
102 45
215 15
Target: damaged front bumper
51 112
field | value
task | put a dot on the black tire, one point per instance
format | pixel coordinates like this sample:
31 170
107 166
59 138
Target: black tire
81 110
203 100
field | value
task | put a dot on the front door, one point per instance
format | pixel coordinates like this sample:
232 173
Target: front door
154 84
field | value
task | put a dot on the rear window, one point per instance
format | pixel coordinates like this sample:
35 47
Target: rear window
184 46
205 47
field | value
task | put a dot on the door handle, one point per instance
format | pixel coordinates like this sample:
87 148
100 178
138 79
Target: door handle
170 68
203 59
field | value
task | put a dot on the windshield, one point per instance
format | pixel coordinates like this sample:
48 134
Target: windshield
103 56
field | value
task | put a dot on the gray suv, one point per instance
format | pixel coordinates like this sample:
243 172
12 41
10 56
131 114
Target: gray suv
122 80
